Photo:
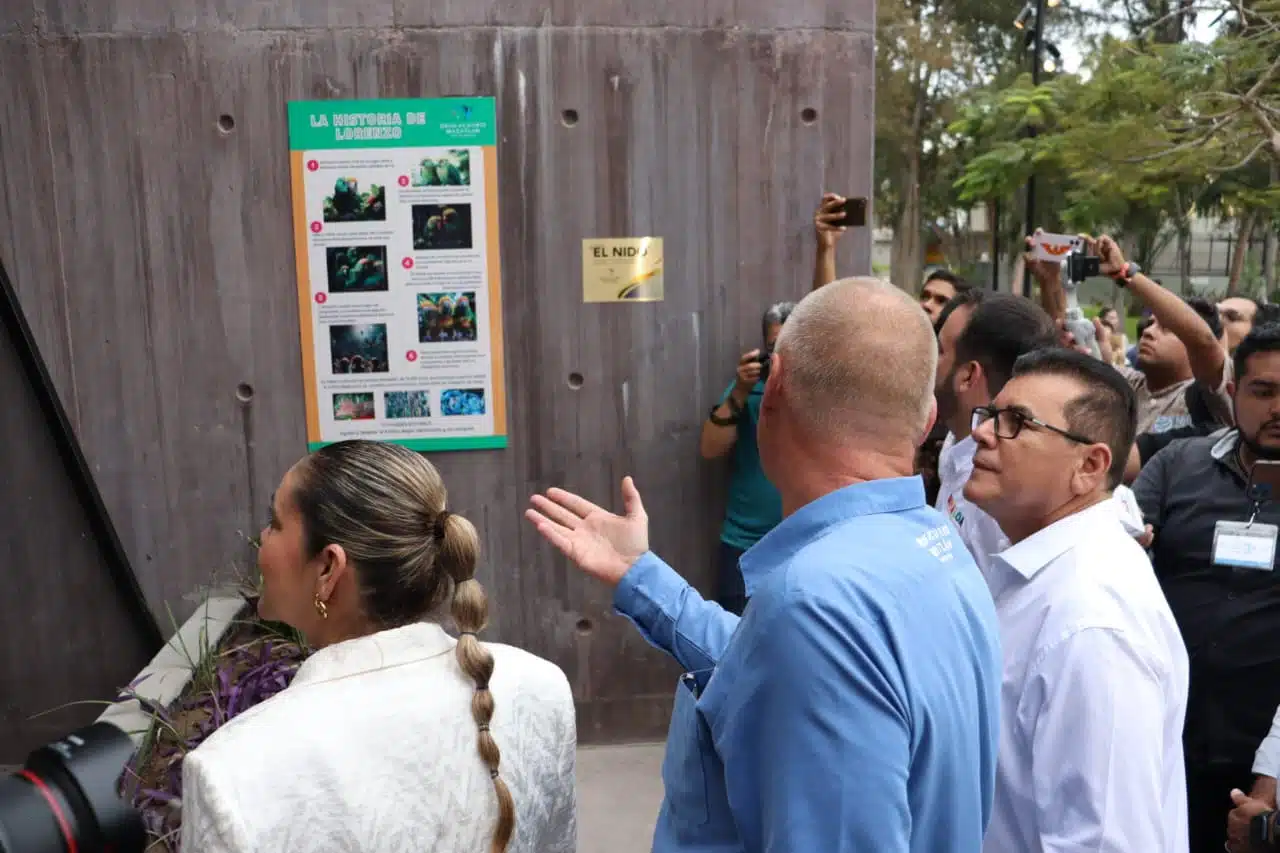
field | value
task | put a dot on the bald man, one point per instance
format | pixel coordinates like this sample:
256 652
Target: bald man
855 704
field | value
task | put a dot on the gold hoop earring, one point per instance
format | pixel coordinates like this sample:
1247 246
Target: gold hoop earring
321 607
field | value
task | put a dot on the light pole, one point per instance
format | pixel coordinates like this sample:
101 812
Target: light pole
1037 54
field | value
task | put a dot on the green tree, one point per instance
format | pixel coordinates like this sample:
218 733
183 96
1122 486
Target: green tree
1154 131
928 53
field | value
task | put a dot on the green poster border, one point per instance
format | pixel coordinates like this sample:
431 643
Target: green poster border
445 122
426 445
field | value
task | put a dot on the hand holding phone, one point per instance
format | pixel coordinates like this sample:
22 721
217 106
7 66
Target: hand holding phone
855 213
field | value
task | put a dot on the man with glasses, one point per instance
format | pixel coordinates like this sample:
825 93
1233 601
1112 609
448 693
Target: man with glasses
1095 672
980 337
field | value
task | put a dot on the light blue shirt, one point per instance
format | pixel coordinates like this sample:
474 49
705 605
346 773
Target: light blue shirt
854 708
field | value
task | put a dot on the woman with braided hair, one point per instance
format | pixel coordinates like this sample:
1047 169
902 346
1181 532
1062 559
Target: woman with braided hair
393 736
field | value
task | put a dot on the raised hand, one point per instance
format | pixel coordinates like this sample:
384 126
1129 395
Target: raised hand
1110 258
602 544
826 222
1041 270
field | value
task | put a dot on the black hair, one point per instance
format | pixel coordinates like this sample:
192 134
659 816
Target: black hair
962 298
1268 312
1003 328
956 282
1208 312
1107 409
1262 338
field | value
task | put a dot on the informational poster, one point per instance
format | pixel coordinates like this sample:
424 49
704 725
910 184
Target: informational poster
622 270
395 206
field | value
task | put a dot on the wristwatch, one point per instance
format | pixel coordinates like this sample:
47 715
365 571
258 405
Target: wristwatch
732 419
1126 274
1262 831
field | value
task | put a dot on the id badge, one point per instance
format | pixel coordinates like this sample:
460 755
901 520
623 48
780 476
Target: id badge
1241 545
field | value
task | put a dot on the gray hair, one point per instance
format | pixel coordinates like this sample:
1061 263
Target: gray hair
861 358
775 315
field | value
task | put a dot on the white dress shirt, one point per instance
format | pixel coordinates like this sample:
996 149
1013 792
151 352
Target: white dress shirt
1266 761
372 749
979 531
1093 697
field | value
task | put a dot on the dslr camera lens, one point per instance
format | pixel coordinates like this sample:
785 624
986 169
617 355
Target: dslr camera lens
67 798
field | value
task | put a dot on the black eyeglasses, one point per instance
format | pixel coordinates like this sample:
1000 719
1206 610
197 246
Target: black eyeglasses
1010 421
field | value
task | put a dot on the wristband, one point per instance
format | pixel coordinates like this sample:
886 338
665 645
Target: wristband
1126 274
729 421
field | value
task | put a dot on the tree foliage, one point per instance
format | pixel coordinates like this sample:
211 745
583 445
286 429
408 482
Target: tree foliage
1148 132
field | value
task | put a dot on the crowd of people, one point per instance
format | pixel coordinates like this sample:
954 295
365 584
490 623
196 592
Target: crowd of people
990 581
1137 687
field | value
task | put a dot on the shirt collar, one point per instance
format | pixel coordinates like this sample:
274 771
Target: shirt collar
385 649
1225 445
1224 452
806 524
957 456
1044 546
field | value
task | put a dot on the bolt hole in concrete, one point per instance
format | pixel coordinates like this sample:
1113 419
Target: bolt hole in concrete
226 123
244 392
808 115
575 381
569 118
584 626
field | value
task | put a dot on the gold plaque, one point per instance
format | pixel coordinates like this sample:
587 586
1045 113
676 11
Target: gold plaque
626 269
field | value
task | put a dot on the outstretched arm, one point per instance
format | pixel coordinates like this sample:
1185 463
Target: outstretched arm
615 549
671 614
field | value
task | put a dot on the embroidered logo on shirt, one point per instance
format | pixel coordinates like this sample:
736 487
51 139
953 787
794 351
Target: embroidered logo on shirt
956 515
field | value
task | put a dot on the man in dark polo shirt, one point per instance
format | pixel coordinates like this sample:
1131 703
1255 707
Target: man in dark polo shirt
1199 495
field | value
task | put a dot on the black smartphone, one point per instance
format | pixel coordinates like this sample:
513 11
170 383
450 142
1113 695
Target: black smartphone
855 213
766 355
1081 266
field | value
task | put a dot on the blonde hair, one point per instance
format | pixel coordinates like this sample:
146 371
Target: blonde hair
861 357
385 505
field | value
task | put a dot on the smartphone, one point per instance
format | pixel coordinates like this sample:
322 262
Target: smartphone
1260 493
855 213
766 355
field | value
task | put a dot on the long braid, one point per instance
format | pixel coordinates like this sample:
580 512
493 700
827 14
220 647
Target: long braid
459 550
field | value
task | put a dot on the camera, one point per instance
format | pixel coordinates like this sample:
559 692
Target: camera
766 356
1081 266
68 797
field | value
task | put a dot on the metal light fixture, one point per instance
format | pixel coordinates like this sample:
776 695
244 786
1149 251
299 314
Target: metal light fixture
1053 61
1024 16
1052 4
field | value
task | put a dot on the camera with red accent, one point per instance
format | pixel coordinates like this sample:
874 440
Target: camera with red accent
67 799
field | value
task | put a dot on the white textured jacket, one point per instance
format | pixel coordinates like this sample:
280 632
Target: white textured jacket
372 749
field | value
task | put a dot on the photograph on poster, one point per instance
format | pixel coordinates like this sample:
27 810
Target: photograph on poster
359 348
462 401
441 226
446 317
353 407
348 204
356 269
408 404
453 169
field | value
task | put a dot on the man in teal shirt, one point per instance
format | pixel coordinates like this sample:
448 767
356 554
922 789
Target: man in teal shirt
754 506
